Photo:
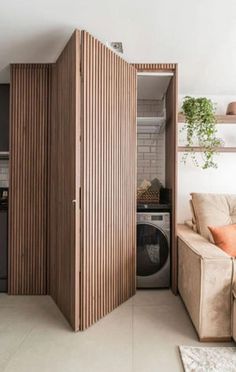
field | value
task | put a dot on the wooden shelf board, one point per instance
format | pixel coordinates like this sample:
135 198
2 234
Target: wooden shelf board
221 119
201 149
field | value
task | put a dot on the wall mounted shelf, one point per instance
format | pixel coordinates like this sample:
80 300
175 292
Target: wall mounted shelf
220 119
201 149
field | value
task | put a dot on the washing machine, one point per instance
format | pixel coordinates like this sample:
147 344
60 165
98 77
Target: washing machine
153 250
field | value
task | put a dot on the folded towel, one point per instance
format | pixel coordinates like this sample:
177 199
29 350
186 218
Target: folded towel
144 185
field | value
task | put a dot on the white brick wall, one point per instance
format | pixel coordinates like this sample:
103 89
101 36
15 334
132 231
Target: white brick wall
151 146
150 107
4 173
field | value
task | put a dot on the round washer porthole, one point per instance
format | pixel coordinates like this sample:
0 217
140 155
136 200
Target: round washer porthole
152 249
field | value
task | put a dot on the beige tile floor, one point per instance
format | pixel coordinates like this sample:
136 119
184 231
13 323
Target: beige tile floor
142 335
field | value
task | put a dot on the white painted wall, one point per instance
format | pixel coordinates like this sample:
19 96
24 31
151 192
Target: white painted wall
220 180
199 35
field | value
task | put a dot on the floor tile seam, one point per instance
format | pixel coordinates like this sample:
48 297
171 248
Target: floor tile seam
16 351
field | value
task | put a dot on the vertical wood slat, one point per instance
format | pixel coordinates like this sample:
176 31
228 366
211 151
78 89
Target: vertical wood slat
171 170
108 155
29 112
155 67
64 182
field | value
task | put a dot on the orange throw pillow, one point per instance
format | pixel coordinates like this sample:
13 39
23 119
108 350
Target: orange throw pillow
225 238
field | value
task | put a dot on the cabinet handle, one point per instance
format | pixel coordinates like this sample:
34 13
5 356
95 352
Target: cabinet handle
74 201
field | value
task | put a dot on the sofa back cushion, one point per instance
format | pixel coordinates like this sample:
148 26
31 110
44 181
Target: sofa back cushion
194 223
225 238
213 210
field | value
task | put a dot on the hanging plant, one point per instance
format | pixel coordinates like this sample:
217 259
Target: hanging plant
200 124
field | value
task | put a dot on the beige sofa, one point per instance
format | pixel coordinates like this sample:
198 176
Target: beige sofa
205 272
234 313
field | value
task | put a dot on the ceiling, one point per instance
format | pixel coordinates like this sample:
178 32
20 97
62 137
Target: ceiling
199 35
152 87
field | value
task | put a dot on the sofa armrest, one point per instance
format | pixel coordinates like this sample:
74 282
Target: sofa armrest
200 245
204 282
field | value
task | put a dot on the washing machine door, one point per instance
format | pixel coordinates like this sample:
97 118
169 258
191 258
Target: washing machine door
152 249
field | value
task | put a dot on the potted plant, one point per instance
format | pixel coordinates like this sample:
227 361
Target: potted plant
200 124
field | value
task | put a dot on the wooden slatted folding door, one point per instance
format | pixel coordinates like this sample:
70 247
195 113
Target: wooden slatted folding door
29 112
92 241
108 181
73 179
63 213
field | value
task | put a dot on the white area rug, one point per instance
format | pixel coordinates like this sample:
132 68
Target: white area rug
208 359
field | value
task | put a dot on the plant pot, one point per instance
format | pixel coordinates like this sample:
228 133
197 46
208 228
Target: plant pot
231 109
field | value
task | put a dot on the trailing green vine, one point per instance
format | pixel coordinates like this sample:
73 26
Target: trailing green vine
200 124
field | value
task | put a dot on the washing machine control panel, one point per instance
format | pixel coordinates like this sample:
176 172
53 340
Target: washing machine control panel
158 218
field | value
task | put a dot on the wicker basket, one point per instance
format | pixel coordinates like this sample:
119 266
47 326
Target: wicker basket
148 196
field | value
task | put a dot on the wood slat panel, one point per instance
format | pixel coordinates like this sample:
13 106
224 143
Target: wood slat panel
171 171
30 84
108 176
155 67
64 182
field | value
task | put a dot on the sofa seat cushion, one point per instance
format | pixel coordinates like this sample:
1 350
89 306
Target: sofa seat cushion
225 238
213 210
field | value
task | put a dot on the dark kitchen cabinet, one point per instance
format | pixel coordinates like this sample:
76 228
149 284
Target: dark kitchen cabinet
4 117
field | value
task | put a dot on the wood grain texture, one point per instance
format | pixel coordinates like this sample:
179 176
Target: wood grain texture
155 67
202 149
64 182
108 176
220 119
171 170
29 116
